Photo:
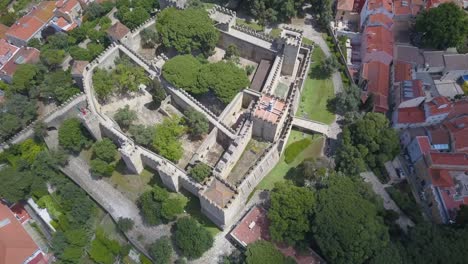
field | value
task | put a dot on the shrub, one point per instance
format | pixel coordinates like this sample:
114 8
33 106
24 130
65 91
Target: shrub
161 250
295 148
200 172
125 224
71 135
191 238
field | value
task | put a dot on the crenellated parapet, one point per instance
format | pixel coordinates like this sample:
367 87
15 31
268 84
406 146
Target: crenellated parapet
250 31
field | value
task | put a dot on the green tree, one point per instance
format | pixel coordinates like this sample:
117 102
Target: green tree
345 102
187 30
161 250
71 135
16 185
290 212
191 238
200 172
225 79
264 252
40 130
182 71
16 112
323 10
347 227
158 92
159 204
149 38
103 83
58 85
105 150
128 76
125 224
52 57
125 116
166 139
442 27
26 77
232 53
35 43
197 122
328 67
101 168
462 216
143 135
133 17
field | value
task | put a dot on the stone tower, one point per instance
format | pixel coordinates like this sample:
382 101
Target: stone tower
269 117
132 157
91 122
292 40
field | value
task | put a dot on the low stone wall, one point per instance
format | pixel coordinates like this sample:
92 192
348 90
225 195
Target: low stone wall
205 147
232 109
274 74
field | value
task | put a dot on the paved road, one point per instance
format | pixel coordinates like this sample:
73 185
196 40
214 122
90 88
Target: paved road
403 221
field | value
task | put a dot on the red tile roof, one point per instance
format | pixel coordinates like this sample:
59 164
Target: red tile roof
441 178
402 71
253 227
424 144
402 9
3 30
44 11
16 246
411 115
439 105
270 109
345 5
439 159
25 28
377 75
439 135
219 193
66 6
458 128
20 213
24 55
378 39
375 4
381 19
118 31
64 24
6 51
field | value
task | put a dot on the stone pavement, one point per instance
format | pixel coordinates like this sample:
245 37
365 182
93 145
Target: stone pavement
403 221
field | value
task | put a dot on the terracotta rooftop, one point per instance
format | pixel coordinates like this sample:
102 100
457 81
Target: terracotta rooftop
64 24
403 71
411 115
424 144
25 28
118 31
219 193
270 109
44 11
345 5
16 246
458 128
377 75
376 4
78 67
3 30
439 105
66 6
6 51
381 19
445 160
439 135
441 178
24 55
378 39
253 227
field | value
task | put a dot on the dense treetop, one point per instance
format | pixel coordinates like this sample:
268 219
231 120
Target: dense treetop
182 71
290 212
187 30
442 27
346 226
191 238
265 252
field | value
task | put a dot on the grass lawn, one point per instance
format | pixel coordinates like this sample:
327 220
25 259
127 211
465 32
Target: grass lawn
276 32
307 41
281 169
132 185
316 93
249 24
193 208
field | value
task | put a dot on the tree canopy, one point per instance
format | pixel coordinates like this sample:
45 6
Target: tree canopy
182 71
197 122
274 11
346 226
187 30
290 212
347 101
200 171
161 250
166 138
125 116
225 79
369 140
442 27
71 135
191 238
159 205
105 150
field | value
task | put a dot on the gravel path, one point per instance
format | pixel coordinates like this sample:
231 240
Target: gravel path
403 221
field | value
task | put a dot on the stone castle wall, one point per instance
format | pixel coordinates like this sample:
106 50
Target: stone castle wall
232 110
246 49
